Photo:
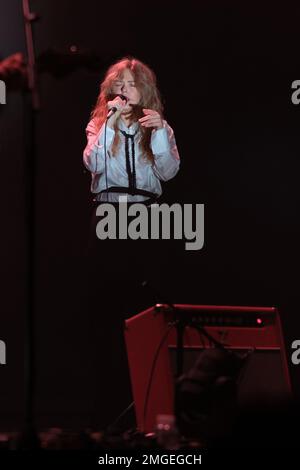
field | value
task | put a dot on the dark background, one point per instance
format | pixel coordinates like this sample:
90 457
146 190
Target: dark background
225 74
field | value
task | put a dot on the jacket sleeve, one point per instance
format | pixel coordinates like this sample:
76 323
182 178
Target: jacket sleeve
166 157
93 154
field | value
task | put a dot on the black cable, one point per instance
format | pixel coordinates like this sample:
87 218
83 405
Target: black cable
171 325
105 159
128 408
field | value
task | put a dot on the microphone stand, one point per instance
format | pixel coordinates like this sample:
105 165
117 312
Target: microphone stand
29 438
181 322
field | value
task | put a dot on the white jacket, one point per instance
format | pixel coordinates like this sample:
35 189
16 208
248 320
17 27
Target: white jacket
147 174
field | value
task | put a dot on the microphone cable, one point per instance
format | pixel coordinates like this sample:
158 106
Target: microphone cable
105 159
105 156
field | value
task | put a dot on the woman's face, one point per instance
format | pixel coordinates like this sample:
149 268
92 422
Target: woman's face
125 85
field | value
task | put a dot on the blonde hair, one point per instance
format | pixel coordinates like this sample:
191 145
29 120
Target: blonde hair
145 81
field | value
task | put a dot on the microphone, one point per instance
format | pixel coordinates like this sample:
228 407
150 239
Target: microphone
114 109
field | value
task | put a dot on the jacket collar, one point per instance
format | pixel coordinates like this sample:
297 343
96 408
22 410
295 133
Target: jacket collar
130 130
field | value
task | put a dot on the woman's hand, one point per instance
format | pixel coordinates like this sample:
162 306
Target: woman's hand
117 103
151 119
120 105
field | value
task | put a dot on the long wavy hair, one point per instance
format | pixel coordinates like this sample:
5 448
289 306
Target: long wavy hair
145 81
